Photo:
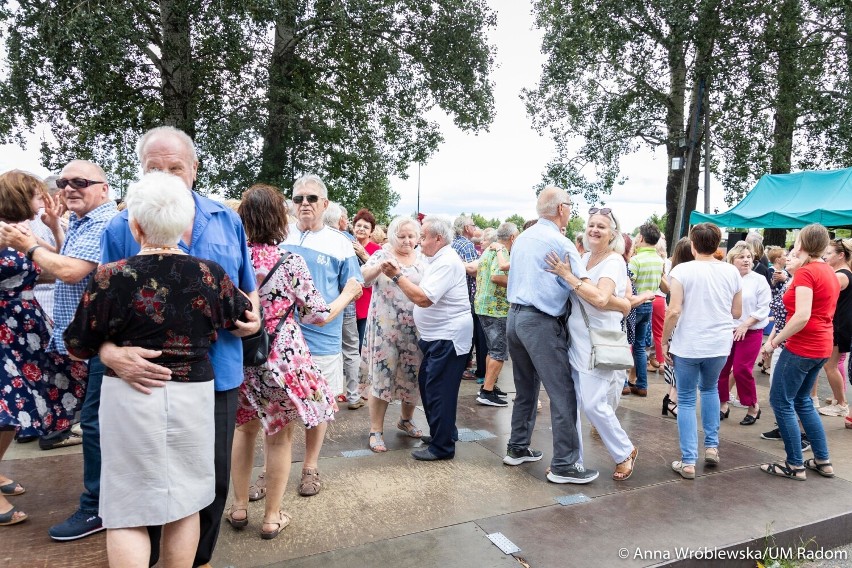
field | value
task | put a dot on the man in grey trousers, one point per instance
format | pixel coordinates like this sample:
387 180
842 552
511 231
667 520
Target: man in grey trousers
538 341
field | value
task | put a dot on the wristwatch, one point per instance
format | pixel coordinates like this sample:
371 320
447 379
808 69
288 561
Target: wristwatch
577 287
31 250
396 278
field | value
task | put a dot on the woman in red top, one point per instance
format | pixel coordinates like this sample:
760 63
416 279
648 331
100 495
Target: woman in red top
810 301
362 225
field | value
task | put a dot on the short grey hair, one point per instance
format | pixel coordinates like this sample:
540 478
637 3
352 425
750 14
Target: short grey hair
331 216
439 225
311 179
162 206
506 231
460 222
396 226
617 242
548 207
50 182
166 131
489 235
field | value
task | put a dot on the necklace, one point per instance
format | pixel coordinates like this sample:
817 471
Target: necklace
144 250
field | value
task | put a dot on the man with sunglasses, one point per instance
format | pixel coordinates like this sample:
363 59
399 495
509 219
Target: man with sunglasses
86 193
331 261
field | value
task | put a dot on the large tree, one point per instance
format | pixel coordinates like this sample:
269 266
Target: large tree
270 89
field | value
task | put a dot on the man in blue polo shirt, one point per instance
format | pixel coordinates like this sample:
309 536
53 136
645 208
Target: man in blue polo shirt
331 261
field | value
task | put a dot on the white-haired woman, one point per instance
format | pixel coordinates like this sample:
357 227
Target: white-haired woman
748 334
390 358
603 301
166 301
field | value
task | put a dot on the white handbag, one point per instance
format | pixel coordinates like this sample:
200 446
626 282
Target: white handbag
610 350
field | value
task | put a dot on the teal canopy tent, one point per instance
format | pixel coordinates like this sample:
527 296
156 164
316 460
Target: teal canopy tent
791 201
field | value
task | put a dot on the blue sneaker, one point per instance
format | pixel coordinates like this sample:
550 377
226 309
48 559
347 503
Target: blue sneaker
76 526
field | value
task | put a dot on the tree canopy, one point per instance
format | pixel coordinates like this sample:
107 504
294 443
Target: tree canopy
269 89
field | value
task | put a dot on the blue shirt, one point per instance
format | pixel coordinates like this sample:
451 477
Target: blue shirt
83 241
467 252
217 235
529 283
349 310
331 261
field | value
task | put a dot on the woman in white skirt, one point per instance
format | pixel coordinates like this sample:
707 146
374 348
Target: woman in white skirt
156 446
603 300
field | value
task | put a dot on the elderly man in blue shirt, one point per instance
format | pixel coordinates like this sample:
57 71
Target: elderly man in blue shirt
538 341
216 233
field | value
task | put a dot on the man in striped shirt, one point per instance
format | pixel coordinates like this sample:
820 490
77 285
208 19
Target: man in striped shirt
647 268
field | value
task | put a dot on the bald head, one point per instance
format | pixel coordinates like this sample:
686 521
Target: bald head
82 200
167 149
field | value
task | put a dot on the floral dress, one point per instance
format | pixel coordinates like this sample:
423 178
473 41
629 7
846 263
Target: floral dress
390 357
289 386
39 391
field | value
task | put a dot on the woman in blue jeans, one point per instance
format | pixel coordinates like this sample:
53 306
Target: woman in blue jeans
810 300
706 297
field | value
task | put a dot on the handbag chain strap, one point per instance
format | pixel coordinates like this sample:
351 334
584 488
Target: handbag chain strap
283 319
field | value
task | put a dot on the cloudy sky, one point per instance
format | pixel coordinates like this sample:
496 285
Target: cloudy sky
491 173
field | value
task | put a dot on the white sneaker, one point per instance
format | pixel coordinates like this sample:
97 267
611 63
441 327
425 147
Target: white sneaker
816 402
736 403
841 410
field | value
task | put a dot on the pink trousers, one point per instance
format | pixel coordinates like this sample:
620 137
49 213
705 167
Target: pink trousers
658 316
742 358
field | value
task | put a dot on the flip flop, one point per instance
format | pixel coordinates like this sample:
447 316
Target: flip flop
284 522
11 489
12 517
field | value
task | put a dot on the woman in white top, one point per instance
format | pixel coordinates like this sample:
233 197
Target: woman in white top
748 336
603 299
706 297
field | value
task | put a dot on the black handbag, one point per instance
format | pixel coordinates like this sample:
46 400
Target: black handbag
256 346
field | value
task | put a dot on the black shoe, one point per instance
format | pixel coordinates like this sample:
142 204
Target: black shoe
62 439
574 473
750 419
498 392
490 398
806 444
723 415
517 457
772 435
426 455
25 439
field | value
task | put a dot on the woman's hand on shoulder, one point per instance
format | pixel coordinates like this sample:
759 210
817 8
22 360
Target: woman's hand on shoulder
557 266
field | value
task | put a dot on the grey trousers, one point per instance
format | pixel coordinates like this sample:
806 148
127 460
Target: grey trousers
538 347
351 358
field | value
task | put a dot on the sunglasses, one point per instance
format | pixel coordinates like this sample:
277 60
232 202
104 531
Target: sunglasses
298 199
76 183
604 211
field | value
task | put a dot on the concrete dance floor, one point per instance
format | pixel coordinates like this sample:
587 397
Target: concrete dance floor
388 510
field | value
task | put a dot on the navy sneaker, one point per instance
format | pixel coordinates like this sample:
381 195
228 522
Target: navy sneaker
517 457
76 526
499 393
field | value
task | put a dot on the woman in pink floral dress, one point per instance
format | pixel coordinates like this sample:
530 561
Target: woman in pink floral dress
289 387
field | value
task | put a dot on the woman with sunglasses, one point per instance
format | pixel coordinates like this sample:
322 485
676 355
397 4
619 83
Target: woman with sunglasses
601 300
39 391
838 255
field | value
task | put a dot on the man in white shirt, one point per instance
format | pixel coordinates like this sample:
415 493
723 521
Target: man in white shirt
442 316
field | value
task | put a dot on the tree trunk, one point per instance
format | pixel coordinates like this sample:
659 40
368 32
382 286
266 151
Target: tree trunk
278 157
675 128
786 107
176 82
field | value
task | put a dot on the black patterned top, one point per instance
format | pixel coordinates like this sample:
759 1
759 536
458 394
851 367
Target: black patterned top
168 302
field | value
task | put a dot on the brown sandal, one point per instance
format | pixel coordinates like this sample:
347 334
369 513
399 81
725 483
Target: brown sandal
310 484
283 522
237 523
257 490
622 471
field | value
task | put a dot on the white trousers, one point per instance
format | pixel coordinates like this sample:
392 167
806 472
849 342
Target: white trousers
593 393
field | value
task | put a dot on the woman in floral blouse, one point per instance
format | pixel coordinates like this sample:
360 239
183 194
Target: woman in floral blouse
157 445
390 358
289 387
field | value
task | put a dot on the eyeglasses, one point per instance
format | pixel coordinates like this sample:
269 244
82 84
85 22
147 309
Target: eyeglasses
604 211
298 199
76 183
